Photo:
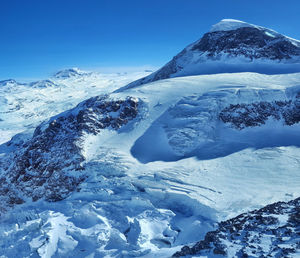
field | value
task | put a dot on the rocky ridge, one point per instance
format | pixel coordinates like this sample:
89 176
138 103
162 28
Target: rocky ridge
244 115
273 231
49 165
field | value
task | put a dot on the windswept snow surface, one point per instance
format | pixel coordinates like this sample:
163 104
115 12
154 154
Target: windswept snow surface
169 178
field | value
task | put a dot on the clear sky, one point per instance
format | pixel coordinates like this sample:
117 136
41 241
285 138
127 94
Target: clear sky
39 37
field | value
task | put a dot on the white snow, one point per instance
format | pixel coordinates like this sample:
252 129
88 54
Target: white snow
131 208
230 24
24 106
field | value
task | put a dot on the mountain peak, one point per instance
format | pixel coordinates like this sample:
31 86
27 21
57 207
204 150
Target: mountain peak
231 24
232 46
70 72
7 82
42 84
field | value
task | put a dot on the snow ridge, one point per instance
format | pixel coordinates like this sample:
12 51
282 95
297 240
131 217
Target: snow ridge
71 72
231 24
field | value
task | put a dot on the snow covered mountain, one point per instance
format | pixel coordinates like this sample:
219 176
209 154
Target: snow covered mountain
233 46
95 170
9 83
147 170
71 72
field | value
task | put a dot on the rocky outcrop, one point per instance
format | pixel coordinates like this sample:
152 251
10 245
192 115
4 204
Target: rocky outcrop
253 43
272 231
242 115
50 164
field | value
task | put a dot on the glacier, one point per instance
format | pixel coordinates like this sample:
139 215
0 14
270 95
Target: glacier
129 208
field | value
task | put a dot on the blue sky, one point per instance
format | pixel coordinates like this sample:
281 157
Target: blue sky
39 37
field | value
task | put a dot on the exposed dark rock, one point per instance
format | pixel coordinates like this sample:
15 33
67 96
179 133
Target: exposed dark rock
256 114
248 42
50 164
246 233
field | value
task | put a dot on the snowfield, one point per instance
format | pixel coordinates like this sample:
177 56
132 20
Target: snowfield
25 106
161 181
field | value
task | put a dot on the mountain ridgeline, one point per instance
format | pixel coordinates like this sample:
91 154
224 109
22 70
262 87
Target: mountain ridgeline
232 46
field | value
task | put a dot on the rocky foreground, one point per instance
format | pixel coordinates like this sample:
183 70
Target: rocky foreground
273 231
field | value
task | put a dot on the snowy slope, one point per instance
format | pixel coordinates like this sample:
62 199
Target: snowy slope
233 46
165 179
